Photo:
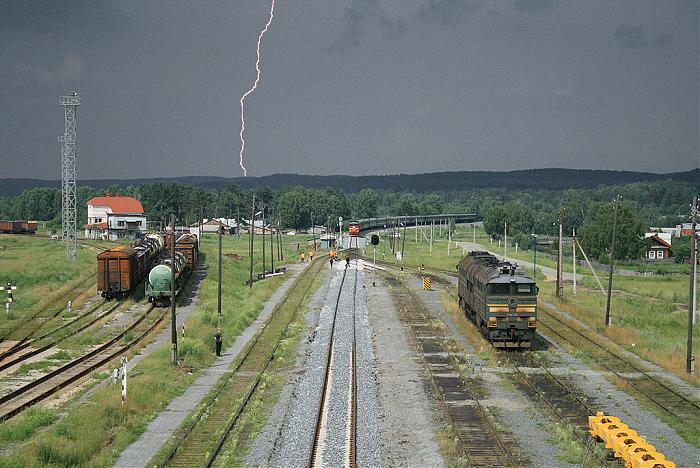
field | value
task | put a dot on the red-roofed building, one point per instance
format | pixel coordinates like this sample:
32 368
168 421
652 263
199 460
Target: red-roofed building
113 216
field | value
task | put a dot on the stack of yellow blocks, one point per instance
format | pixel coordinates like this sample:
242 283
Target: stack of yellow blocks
625 444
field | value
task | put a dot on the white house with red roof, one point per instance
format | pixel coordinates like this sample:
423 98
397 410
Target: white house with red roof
114 216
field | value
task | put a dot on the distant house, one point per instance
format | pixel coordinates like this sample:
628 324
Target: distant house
686 229
114 216
660 246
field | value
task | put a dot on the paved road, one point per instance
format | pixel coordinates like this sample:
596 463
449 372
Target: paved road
550 273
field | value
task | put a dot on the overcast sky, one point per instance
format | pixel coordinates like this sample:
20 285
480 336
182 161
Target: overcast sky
350 86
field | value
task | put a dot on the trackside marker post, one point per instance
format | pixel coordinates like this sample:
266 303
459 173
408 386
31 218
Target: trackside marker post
124 360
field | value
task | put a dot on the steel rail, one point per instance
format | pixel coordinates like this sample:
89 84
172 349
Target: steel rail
251 344
482 411
21 391
353 403
38 312
258 379
618 374
50 345
552 407
321 406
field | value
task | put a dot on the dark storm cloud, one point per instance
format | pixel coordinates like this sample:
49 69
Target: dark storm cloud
355 87
533 7
359 17
449 11
635 37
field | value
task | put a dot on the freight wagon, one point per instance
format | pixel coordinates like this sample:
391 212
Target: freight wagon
158 289
499 299
18 227
121 269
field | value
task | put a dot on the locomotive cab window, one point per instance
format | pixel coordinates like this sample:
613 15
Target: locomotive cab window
500 289
526 289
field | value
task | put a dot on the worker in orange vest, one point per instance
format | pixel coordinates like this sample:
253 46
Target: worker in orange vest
302 257
311 255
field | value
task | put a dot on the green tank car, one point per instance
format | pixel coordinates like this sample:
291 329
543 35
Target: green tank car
158 288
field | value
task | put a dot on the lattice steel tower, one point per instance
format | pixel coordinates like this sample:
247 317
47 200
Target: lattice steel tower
67 140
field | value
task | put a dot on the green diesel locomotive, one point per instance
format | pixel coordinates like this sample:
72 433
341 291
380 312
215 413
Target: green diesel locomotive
499 299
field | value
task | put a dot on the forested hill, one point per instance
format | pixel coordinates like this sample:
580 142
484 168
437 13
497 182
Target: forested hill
554 179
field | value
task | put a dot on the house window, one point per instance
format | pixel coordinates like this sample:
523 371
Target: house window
652 255
120 223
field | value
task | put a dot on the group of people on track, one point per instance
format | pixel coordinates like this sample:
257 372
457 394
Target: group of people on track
332 257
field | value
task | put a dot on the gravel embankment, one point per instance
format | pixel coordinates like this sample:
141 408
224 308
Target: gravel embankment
267 446
367 399
407 410
298 429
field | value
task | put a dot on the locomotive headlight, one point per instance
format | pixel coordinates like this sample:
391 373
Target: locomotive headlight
492 322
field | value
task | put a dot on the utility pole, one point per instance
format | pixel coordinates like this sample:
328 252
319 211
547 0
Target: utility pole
416 230
616 208
238 221
690 361
449 239
68 172
251 233
403 239
218 303
560 255
573 247
432 225
534 257
173 316
384 239
263 238
272 246
201 219
313 232
474 240
505 241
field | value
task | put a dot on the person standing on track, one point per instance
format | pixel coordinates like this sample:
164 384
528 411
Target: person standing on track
217 341
302 257
347 261
311 255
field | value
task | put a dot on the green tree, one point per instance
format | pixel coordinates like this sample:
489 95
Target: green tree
366 204
596 233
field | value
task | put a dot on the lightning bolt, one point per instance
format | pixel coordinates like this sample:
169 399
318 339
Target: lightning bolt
254 87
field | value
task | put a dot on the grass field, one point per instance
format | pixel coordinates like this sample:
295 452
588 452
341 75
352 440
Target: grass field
96 430
43 276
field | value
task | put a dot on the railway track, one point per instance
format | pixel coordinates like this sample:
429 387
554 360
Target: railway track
202 441
32 323
459 397
47 385
55 336
329 429
659 393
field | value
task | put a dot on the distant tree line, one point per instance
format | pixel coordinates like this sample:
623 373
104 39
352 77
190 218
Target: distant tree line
526 211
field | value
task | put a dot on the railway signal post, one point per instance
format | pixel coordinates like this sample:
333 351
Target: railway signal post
375 241
8 289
